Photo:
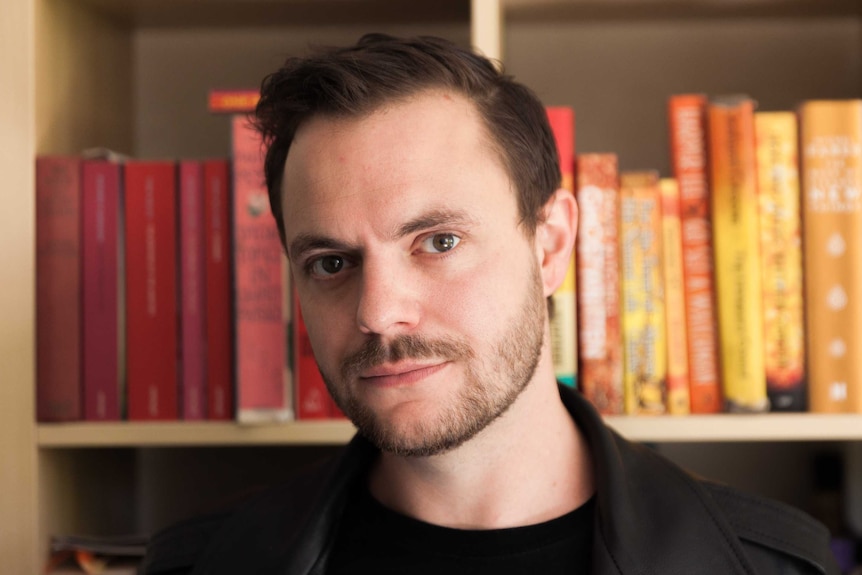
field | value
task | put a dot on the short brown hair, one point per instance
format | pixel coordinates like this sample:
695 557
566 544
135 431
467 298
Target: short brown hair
379 69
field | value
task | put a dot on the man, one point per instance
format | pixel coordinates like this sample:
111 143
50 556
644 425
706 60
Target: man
415 189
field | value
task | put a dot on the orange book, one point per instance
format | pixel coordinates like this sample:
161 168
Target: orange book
831 157
688 146
736 247
642 309
597 249
564 323
678 397
781 258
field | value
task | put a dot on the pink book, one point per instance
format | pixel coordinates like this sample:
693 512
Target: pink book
102 290
192 290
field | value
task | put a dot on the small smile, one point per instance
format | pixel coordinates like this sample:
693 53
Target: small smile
400 374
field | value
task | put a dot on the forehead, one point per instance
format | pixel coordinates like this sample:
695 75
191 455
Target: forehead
429 151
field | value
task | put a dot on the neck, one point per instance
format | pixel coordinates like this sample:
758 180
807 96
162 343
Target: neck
529 466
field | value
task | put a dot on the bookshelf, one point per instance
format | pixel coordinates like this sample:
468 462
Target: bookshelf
132 74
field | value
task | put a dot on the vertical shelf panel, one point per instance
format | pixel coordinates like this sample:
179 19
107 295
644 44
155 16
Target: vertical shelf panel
18 466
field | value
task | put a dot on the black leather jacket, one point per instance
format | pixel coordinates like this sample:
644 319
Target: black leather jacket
651 518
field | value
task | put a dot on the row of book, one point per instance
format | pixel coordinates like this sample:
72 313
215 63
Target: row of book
163 293
734 284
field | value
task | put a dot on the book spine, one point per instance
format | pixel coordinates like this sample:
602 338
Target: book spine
101 282
733 179
58 289
262 379
597 251
781 259
689 161
643 314
192 291
564 322
219 334
312 398
678 397
831 151
151 291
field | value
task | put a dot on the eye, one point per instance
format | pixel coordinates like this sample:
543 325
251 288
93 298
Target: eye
439 243
326 266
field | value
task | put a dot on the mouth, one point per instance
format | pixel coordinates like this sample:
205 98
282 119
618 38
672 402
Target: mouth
399 374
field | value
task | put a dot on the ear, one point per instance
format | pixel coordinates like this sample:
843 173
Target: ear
555 238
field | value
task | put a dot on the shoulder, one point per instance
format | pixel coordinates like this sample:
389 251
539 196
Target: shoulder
177 549
776 537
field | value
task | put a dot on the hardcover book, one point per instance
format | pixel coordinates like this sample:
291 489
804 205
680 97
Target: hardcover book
689 162
217 261
192 291
597 250
643 313
781 259
152 290
102 307
831 152
733 180
58 288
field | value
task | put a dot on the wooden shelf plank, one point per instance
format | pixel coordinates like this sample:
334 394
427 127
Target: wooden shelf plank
665 429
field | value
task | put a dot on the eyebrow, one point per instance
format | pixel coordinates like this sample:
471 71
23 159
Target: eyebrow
434 218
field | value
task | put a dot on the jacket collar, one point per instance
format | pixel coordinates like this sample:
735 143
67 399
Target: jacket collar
651 517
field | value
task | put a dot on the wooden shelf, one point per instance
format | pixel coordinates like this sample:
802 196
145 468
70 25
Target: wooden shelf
663 429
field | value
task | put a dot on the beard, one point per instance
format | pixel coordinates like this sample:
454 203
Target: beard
491 384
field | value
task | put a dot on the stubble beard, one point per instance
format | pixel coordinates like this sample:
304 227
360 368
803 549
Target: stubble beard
491 384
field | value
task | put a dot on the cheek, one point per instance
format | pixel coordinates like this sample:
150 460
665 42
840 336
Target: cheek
328 324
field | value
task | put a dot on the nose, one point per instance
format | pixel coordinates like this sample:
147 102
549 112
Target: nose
389 302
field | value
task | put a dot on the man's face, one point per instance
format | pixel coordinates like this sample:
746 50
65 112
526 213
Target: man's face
421 293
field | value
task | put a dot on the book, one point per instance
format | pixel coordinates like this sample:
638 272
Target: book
192 283
736 247
831 158
151 290
598 301
689 163
312 398
263 377
780 222
678 396
217 263
232 101
58 288
102 306
564 321
642 306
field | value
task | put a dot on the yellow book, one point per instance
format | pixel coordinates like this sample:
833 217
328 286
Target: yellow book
781 259
678 395
643 315
733 177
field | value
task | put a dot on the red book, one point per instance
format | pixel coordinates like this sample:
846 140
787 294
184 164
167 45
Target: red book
564 321
58 288
219 369
312 397
263 379
192 290
688 147
151 290
101 244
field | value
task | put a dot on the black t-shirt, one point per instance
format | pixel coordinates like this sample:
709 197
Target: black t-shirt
373 539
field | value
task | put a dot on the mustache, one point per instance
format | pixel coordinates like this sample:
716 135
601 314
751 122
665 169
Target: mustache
375 352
